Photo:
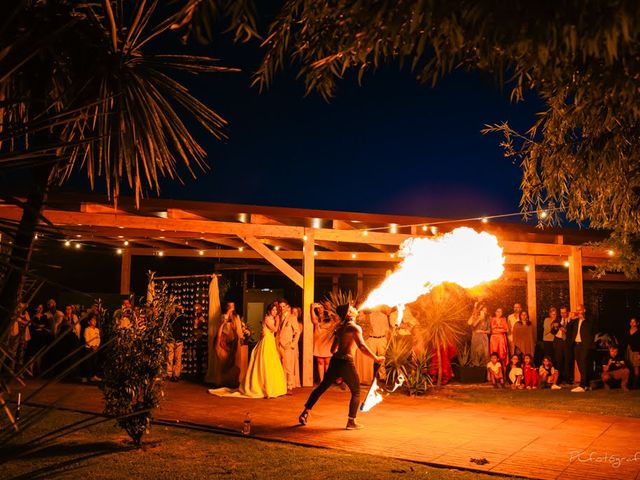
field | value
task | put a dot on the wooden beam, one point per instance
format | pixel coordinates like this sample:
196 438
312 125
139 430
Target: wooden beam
307 299
99 208
125 272
531 295
576 295
275 260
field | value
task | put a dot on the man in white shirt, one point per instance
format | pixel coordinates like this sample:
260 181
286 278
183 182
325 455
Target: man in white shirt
511 321
580 337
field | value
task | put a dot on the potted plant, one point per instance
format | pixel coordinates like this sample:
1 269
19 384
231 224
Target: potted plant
467 372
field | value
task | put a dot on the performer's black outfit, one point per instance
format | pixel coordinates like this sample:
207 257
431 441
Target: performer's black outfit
339 366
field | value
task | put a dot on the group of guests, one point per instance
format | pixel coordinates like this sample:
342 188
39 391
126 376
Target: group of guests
49 340
506 345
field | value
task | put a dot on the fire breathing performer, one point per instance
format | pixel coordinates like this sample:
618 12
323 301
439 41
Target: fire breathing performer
348 338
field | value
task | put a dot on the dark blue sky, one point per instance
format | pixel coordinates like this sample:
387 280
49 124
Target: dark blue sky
391 145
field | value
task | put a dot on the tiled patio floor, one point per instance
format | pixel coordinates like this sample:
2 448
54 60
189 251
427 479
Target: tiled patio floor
515 441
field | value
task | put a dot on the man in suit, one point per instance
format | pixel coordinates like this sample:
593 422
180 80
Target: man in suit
287 345
580 338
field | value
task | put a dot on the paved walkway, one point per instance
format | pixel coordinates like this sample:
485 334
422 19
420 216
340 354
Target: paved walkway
515 441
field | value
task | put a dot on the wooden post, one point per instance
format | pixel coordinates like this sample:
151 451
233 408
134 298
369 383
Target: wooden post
360 285
576 295
531 294
308 269
125 272
335 283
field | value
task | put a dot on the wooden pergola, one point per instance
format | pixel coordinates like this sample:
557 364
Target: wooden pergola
302 243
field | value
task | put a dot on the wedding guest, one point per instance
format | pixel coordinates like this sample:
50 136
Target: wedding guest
123 317
479 322
498 337
531 375
523 335
511 321
548 374
615 368
20 336
548 335
515 373
560 357
494 371
580 335
91 345
227 346
54 316
175 344
40 338
324 326
633 350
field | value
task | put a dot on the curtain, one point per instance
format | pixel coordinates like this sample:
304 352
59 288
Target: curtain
214 371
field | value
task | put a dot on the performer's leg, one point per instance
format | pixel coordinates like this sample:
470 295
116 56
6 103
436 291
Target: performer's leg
329 377
350 378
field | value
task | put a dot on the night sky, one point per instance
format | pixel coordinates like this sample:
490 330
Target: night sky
391 145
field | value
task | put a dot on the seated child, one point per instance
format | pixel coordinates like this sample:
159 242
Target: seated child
494 372
531 376
515 373
548 374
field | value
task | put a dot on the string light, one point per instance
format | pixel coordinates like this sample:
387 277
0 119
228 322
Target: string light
526 268
393 228
365 233
241 249
35 237
315 254
77 245
424 228
434 230
353 255
543 214
201 252
126 243
67 243
392 255
276 248
119 251
305 238
485 220
566 263
160 253
611 253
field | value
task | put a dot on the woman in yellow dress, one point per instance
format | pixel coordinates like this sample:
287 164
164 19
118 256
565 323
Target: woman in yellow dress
265 376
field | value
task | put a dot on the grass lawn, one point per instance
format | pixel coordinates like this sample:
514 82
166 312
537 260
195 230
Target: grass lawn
601 402
102 451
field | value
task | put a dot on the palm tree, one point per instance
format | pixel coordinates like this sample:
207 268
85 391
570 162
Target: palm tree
81 89
442 313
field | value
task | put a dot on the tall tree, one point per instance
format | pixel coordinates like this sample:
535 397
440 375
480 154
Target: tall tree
81 89
580 159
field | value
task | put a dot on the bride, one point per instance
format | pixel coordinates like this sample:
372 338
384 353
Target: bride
265 376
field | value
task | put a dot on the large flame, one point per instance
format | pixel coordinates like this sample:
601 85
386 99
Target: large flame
462 256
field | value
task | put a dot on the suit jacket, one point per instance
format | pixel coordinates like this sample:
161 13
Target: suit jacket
586 332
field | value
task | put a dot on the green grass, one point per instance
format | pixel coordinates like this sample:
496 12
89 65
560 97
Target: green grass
600 402
103 452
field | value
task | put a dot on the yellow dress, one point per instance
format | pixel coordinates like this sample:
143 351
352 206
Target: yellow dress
265 376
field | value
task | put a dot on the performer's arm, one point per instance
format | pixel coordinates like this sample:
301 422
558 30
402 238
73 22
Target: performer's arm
364 348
